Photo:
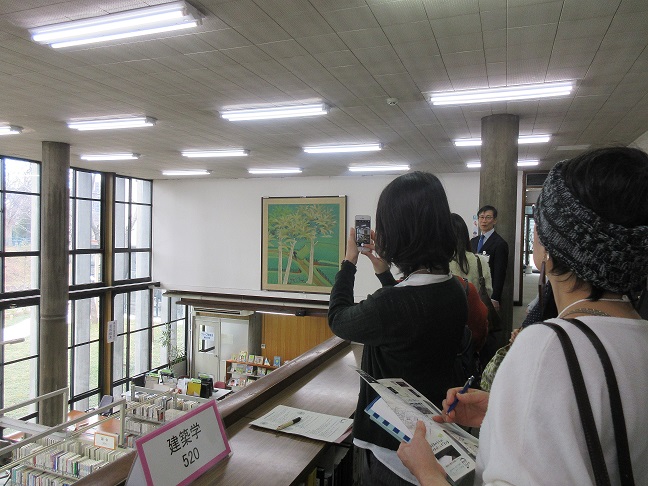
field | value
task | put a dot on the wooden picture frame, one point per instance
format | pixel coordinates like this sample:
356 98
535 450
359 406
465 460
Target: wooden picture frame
303 241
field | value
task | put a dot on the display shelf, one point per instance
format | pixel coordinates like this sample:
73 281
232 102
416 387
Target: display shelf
238 374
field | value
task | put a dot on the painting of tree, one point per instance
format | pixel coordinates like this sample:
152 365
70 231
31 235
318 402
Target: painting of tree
303 242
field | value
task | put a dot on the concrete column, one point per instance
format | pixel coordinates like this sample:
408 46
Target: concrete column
498 187
55 200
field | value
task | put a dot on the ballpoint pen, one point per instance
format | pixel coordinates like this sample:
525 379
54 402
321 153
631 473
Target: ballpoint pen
289 423
463 390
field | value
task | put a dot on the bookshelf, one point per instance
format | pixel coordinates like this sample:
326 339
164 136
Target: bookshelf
238 374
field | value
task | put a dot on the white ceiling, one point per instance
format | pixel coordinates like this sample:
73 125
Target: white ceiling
351 54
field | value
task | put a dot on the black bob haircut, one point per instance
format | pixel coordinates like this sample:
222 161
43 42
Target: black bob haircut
413 225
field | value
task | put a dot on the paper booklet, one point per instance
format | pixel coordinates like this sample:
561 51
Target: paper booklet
329 428
398 408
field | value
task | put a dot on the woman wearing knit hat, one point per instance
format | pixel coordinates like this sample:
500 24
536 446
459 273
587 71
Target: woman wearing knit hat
545 425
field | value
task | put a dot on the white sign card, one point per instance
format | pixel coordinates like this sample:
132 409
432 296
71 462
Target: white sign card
180 451
112 331
207 335
107 440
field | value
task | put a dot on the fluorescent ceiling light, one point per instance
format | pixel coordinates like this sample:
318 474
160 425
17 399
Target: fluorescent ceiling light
521 163
505 93
10 130
523 139
378 168
184 172
97 157
113 123
216 153
331 149
132 23
277 112
286 170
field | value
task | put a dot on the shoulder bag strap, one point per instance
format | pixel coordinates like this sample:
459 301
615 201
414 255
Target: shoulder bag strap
618 418
584 407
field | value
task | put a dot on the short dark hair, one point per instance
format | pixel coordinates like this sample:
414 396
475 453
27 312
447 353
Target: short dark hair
463 241
488 207
612 182
413 226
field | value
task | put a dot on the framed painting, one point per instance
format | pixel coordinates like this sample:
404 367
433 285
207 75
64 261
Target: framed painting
303 241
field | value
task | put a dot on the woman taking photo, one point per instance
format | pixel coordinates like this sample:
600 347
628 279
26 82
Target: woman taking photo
412 329
592 233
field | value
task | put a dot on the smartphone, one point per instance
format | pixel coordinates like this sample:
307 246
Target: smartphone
363 230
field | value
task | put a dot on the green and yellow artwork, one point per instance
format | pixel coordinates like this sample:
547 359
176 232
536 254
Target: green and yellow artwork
303 242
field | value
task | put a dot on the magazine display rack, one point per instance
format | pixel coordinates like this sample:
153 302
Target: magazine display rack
61 454
239 374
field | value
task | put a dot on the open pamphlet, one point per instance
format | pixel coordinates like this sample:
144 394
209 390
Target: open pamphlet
400 406
329 428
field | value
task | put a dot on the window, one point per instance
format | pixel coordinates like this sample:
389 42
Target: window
84 351
169 330
131 349
132 229
86 242
20 238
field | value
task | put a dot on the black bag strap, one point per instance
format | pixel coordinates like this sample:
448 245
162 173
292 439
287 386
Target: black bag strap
618 418
592 440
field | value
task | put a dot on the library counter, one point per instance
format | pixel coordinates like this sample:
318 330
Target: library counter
322 380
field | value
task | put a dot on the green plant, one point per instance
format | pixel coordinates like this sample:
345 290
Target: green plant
175 354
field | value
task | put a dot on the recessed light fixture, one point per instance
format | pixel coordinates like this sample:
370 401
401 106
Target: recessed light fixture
216 153
184 172
378 168
98 157
10 130
332 149
504 93
521 163
113 123
290 111
523 139
285 170
132 23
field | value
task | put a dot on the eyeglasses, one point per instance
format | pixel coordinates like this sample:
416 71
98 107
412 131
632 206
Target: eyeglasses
485 218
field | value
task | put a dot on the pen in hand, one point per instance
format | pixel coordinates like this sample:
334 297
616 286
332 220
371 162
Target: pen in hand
463 390
289 423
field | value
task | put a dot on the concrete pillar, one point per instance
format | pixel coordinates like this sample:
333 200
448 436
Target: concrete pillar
498 187
55 200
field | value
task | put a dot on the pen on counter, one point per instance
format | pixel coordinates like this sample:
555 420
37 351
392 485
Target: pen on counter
289 423
463 390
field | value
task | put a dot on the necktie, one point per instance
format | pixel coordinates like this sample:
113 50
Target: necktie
480 243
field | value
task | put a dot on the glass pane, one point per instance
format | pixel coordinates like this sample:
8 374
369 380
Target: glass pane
22 227
21 273
141 191
160 307
139 310
86 403
177 311
122 189
159 351
88 224
70 271
121 267
139 352
140 226
19 385
88 269
119 352
121 225
140 264
86 368
20 323
86 320
69 325
88 185
22 176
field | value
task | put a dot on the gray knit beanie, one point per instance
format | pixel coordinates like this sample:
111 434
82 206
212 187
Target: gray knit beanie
606 255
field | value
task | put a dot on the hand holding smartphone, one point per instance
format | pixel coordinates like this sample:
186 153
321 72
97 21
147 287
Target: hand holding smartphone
363 231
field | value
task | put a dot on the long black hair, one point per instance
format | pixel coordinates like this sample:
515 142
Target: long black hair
413 226
463 241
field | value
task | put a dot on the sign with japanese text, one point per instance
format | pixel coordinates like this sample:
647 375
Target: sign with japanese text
180 451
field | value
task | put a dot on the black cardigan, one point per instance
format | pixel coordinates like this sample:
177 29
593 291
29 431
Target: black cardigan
409 332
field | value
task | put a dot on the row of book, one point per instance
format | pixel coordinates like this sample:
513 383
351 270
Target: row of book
250 370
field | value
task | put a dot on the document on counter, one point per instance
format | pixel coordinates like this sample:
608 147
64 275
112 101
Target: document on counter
319 426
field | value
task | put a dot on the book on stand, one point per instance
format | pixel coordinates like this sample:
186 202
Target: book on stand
400 406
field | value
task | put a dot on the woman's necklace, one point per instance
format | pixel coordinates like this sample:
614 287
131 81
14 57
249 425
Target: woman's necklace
589 310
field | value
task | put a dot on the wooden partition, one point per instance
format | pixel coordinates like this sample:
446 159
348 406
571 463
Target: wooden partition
322 380
292 336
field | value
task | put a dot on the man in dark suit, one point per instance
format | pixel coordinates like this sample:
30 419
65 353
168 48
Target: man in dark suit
492 245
